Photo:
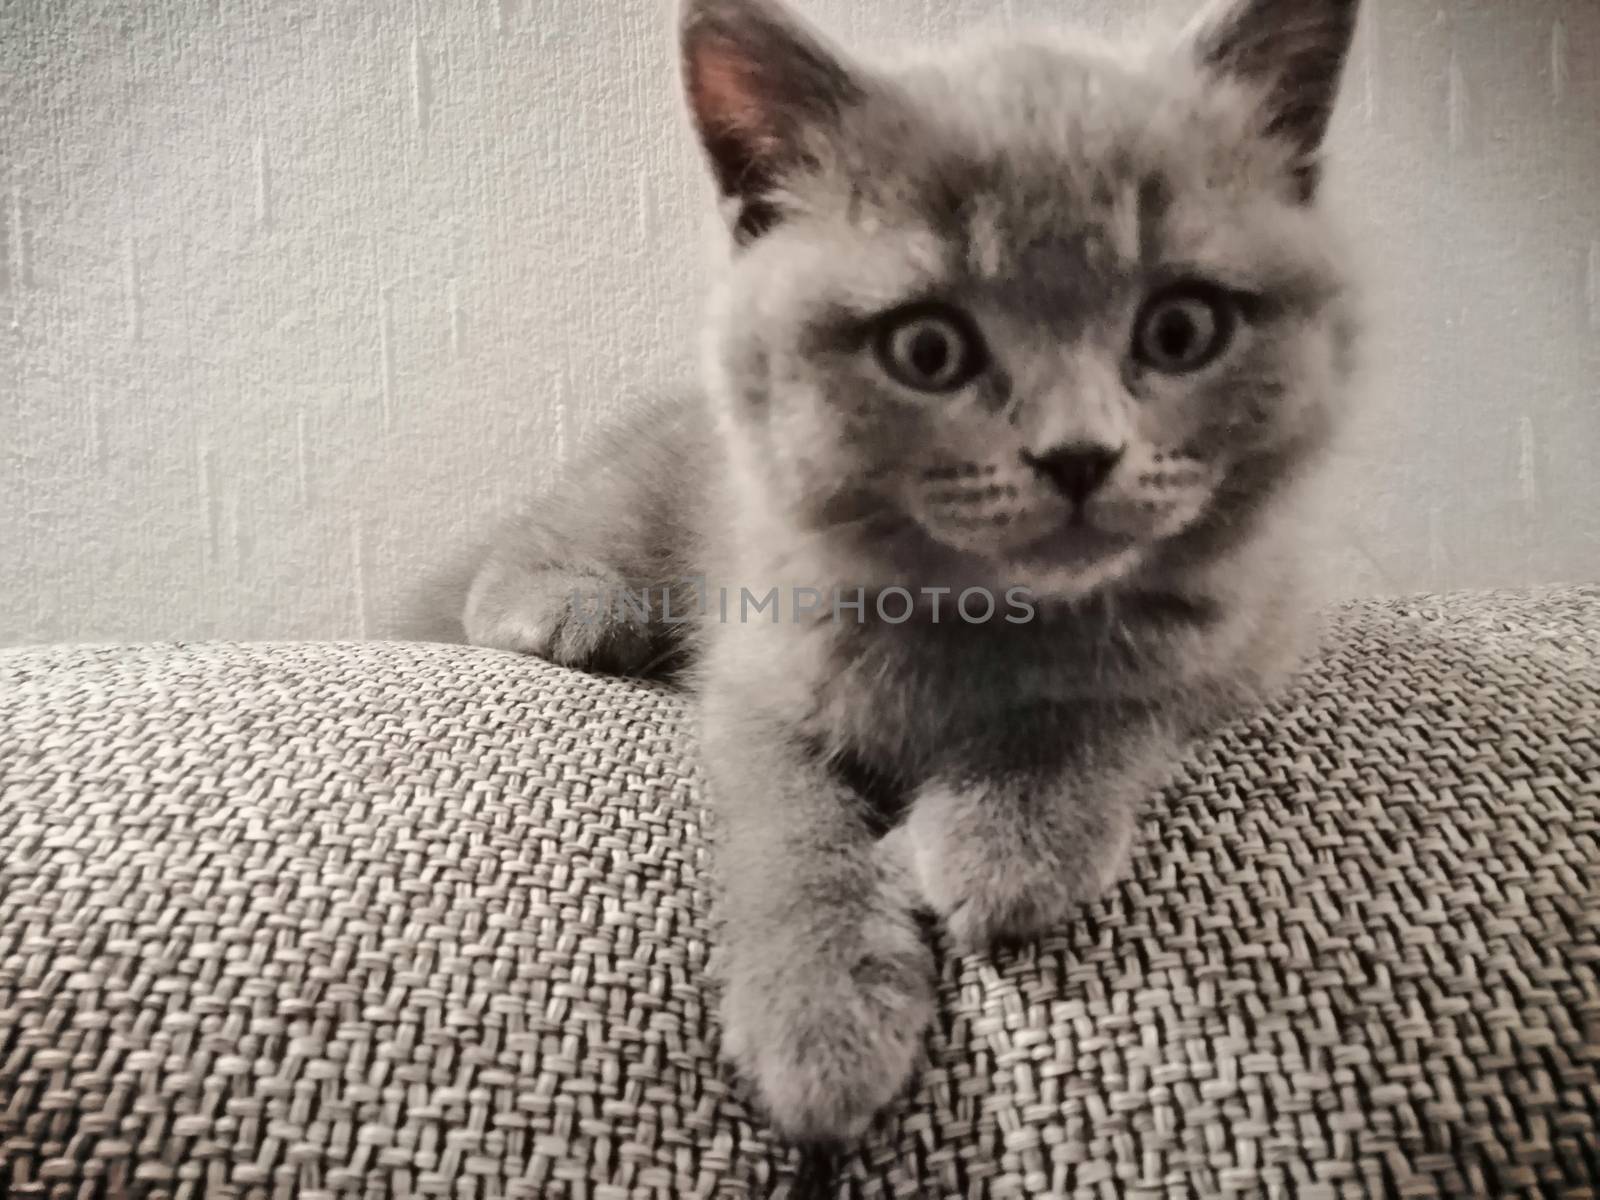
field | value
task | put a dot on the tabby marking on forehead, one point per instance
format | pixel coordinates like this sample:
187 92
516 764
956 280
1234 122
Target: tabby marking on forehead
986 239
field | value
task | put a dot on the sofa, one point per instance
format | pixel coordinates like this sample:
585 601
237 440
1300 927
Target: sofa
413 920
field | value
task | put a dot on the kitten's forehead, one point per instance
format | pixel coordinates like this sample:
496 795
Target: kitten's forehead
1051 95
1057 173
1022 141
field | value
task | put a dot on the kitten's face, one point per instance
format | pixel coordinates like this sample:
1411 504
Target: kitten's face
1028 316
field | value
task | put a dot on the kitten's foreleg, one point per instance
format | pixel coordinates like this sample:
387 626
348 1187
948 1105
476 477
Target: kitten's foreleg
828 983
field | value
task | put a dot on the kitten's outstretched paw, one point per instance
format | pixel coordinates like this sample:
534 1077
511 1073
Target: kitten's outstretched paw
565 616
828 1044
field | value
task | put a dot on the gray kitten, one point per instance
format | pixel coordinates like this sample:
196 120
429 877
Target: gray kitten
1030 314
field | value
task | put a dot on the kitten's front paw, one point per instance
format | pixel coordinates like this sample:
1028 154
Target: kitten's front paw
997 884
828 1041
565 616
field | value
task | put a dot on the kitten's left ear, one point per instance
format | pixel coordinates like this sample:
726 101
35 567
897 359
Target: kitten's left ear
763 89
1295 50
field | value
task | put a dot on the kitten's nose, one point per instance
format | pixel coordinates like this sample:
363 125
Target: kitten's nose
1078 469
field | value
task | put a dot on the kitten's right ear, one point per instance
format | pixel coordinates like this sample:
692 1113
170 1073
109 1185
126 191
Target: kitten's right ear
763 90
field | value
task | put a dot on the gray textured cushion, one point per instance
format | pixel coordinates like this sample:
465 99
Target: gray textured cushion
415 920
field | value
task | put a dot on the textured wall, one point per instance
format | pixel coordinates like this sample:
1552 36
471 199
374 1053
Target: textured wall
294 293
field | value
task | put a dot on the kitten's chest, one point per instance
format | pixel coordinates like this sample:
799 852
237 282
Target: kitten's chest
906 697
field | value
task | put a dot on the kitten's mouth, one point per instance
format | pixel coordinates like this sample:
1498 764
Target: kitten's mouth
1077 544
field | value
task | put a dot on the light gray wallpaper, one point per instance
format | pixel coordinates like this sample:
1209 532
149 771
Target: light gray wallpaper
296 293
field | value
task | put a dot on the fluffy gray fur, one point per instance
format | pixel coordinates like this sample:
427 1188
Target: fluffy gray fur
1047 188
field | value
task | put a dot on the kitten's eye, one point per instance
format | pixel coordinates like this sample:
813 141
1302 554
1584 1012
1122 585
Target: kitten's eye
1184 329
931 349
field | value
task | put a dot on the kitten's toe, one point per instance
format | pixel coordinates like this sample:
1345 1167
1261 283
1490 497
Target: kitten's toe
562 616
613 646
996 897
827 1052
823 1085
999 922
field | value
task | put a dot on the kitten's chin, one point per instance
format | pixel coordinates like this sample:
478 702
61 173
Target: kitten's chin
1073 561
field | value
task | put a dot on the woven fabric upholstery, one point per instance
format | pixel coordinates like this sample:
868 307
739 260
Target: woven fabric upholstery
398 920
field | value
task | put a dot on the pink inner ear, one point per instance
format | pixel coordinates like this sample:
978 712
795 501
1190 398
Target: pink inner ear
728 100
